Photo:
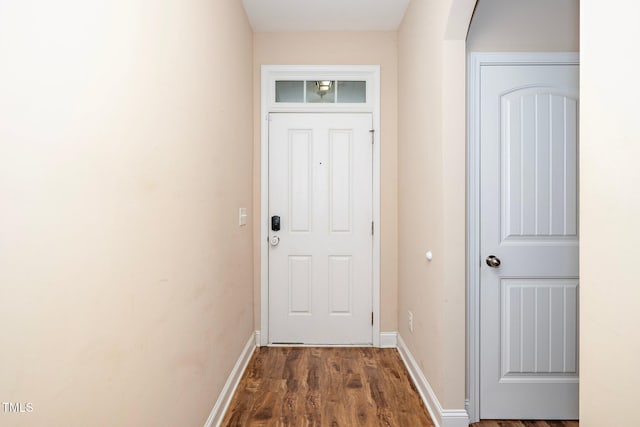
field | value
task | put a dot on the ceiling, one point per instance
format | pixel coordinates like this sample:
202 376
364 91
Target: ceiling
325 15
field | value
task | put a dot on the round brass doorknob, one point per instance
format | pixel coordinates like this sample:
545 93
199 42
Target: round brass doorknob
493 261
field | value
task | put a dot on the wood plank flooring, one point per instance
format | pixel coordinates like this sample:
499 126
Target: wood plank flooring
337 387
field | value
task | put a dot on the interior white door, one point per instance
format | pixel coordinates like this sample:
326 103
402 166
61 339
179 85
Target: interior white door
529 224
321 259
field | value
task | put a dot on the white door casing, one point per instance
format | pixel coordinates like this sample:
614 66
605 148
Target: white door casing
269 75
528 218
320 265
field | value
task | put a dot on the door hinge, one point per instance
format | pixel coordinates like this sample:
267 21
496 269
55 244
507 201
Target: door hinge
372 318
372 132
372 228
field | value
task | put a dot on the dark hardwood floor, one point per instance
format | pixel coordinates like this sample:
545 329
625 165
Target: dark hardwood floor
336 387
326 387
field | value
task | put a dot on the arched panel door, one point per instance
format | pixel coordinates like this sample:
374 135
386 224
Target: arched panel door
529 242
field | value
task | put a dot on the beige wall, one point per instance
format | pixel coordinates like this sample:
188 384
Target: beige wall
123 162
525 25
431 191
368 48
125 152
609 214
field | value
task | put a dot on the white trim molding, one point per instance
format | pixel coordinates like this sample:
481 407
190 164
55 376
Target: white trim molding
441 417
368 73
229 389
475 62
388 339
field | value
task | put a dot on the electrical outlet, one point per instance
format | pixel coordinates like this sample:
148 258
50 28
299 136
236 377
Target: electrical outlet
410 316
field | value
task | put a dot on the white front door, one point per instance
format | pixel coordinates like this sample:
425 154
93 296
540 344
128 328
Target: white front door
320 259
529 225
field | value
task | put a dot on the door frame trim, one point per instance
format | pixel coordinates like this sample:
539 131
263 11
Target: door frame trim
370 73
476 60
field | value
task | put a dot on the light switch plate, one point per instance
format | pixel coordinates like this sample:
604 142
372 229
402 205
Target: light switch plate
242 216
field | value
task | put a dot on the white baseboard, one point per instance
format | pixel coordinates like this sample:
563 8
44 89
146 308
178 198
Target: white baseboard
224 399
258 339
388 339
441 417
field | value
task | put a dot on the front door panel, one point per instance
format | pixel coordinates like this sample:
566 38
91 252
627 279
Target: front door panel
320 261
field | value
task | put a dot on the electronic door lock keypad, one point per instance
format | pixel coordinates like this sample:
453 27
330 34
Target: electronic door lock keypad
275 223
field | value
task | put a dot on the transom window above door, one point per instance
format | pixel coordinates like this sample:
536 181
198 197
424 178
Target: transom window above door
321 91
320 88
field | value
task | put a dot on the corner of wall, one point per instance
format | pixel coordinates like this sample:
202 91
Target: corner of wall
226 395
440 416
